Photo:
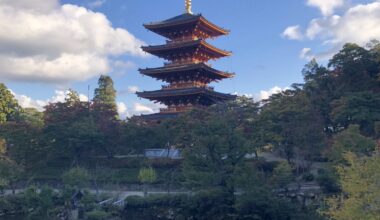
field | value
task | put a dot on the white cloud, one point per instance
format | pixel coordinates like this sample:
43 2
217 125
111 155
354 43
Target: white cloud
357 24
318 27
120 68
133 89
96 3
33 5
122 109
27 102
326 7
140 108
266 94
137 109
43 41
59 96
306 54
293 33
263 94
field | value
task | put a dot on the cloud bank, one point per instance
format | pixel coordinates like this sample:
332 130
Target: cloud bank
357 24
43 41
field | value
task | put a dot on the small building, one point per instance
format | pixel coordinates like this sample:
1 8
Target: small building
163 153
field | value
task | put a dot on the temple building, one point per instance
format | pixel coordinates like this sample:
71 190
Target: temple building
186 71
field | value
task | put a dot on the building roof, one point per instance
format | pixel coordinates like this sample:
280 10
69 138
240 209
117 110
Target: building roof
183 92
191 46
165 27
168 71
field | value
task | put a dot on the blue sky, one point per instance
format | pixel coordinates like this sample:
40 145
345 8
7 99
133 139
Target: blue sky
265 55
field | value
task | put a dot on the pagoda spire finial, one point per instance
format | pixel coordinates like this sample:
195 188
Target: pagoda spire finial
188 6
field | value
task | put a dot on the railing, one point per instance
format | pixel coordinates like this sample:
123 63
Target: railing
179 108
180 40
187 85
182 62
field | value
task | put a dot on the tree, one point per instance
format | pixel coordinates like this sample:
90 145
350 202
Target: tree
105 93
360 108
105 114
10 171
76 177
39 202
3 185
320 88
9 108
147 176
351 140
71 130
133 136
360 195
214 146
355 69
296 128
282 175
32 116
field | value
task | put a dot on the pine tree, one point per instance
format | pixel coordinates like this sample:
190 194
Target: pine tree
9 108
105 93
105 113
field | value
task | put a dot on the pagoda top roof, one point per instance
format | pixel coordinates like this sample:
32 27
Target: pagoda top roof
160 50
185 19
185 92
161 72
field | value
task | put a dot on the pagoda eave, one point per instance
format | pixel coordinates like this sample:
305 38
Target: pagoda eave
164 28
183 47
187 69
178 93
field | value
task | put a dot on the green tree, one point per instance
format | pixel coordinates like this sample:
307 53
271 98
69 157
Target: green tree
76 177
320 88
360 108
3 184
28 148
355 69
282 175
40 203
32 116
9 107
214 145
104 110
105 93
133 136
351 140
70 130
360 195
147 176
10 171
296 128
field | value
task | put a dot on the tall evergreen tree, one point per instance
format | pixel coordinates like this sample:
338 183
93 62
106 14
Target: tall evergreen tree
105 113
9 108
105 93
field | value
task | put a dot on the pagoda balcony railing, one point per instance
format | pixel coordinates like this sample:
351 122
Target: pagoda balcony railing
183 39
180 108
184 62
187 85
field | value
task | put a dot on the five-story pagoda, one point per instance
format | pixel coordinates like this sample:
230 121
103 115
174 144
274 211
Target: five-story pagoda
186 71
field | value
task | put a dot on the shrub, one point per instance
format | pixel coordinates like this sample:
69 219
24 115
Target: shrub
97 215
76 177
328 181
308 177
